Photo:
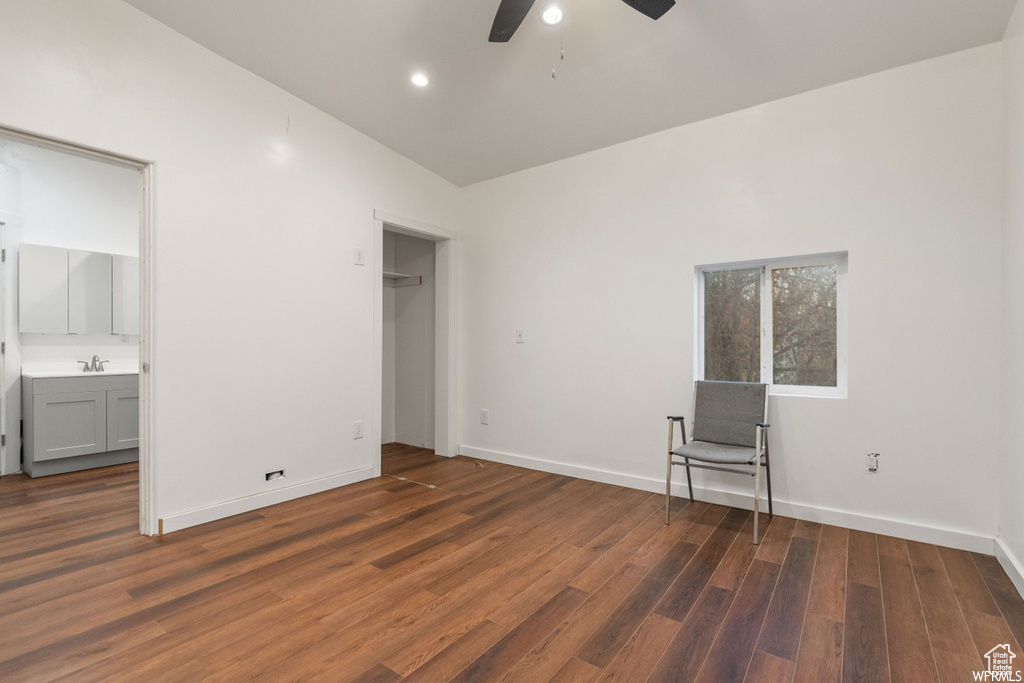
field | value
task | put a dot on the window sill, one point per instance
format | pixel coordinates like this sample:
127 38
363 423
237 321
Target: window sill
806 392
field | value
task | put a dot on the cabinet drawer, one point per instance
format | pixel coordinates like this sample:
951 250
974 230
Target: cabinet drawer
70 424
87 381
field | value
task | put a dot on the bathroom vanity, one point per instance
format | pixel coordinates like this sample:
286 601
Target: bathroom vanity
77 421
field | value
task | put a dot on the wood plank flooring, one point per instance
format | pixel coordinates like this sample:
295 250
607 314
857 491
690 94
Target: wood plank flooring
459 570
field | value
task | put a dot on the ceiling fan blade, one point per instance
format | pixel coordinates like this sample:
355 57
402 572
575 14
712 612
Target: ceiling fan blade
510 14
652 8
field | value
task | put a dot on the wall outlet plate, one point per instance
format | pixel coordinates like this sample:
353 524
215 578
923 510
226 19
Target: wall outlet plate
872 462
357 429
485 416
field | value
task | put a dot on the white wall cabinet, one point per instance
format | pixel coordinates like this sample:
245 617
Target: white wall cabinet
42 289
69 291
89 293
125 295
79 422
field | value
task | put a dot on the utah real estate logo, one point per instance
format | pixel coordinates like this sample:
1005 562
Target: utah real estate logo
1000 665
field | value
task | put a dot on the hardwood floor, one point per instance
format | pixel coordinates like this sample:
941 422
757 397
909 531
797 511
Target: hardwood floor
475 571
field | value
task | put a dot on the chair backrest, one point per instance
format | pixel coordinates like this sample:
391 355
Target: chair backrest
728 412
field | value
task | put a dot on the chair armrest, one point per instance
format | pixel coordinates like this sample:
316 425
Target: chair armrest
676 418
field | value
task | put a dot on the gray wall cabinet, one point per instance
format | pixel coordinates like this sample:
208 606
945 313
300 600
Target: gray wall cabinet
75 423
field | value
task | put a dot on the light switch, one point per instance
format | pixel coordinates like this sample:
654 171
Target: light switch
520 337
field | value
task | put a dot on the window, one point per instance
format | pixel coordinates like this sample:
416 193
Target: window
781 322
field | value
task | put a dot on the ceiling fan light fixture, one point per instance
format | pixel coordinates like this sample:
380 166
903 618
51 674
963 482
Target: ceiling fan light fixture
420 79
551 16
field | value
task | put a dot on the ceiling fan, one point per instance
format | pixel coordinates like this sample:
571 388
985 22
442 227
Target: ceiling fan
512 12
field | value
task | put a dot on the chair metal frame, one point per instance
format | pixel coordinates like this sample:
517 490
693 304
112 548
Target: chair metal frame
761 459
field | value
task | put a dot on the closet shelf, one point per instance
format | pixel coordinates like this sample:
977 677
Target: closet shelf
392 279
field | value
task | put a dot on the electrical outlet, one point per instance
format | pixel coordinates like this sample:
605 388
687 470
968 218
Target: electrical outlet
872 462
485 416
357 429
520 337
274 476
360 257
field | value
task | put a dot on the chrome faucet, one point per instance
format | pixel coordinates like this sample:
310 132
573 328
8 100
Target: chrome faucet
95 366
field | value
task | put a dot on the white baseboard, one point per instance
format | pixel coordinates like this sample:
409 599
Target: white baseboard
183 520
951 538
1011 564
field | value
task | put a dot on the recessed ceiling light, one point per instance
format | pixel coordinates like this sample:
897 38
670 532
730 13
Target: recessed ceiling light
420 79
552 15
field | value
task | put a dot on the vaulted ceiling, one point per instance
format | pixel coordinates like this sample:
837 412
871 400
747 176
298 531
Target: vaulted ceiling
494 108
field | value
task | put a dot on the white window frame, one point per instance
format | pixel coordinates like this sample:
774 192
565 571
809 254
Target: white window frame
840 260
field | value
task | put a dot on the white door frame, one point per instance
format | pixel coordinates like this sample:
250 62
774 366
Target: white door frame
446 289
10 364
147 479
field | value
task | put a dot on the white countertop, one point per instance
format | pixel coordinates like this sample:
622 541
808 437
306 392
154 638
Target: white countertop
37 370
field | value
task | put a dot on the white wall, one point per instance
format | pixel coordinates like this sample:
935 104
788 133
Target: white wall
408 330
68 201
594 258
78 203
10 185
262 325
1011 468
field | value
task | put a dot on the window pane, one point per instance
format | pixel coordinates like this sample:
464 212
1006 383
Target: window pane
732 324
804 325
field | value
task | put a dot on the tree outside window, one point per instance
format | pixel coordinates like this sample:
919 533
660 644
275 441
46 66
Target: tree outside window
777 322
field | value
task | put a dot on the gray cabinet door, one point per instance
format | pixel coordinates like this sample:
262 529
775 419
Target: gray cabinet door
122 419
67 425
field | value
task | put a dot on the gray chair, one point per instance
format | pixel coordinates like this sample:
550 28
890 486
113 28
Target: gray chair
730 423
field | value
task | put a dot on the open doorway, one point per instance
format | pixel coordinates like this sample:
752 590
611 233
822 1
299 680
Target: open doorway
74 297
414 335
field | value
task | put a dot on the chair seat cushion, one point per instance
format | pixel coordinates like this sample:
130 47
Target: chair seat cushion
722 454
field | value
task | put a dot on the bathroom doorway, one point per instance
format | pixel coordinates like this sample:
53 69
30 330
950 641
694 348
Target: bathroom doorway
95 206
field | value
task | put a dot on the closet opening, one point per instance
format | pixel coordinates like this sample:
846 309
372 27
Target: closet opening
408 315
413 381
